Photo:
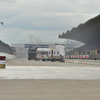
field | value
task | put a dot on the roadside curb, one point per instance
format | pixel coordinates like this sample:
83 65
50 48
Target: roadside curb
88 62
70 61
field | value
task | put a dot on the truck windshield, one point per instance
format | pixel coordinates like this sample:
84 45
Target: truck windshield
32 51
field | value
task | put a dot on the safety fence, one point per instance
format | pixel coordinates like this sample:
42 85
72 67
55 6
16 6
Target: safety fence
91 54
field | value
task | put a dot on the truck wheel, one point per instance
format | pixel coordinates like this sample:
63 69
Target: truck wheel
42 59
51 60
54 60
60 60
29 59
35 59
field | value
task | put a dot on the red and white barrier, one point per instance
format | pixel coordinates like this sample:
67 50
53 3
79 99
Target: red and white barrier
77 56
67 57
2 61
71 56
87 56
80 56
83 56
8 56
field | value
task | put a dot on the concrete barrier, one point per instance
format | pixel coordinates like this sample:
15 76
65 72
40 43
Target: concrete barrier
8 56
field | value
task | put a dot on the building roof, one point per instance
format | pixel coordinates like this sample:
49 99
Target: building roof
87 32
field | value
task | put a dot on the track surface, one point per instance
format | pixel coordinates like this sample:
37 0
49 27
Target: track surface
37 80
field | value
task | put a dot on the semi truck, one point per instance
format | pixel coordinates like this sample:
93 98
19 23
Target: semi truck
32 52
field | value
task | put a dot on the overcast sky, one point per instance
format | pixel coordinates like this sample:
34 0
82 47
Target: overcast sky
29 21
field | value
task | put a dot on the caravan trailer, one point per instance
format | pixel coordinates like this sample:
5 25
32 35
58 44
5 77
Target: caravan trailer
53 54
42 54
57 53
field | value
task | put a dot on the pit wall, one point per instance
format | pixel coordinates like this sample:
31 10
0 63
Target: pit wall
8 56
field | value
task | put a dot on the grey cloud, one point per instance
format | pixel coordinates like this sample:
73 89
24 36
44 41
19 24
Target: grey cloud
34 22
44 17
21 36
8 1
